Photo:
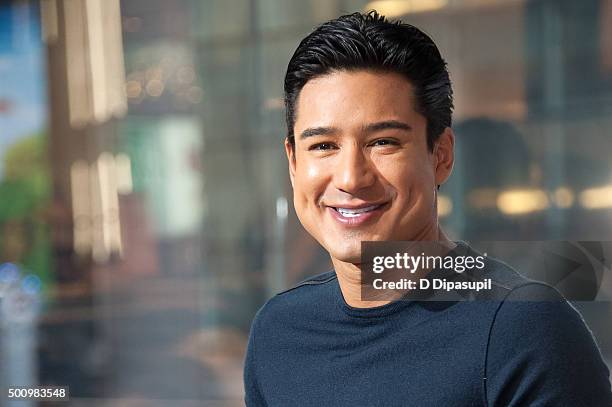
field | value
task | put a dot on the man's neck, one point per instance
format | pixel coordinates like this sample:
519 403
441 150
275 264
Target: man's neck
349 275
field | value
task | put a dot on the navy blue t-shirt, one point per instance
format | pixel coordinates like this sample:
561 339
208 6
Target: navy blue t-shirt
523 346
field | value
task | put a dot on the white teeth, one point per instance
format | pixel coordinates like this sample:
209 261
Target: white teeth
351 213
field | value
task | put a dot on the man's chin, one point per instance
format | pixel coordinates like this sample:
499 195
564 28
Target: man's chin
353 256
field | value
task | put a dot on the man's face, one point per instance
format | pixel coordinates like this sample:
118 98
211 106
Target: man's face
360 168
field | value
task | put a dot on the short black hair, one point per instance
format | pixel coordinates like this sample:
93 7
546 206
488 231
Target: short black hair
369 41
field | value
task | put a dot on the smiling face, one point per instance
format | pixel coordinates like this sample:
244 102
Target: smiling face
360 166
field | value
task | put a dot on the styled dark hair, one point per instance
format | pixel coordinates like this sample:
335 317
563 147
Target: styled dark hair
369 41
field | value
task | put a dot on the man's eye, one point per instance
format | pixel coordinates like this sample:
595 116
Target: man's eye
384 142
321 146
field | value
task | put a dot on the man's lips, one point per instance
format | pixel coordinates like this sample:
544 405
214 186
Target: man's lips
350 211
353 215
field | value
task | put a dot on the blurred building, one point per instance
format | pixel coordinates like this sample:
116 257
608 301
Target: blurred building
149 190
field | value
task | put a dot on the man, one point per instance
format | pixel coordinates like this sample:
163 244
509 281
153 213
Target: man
369 141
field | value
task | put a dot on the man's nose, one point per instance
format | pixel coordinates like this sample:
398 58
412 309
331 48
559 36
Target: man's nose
354 171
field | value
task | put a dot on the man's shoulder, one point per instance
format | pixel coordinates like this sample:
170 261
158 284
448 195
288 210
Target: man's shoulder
539 336
297 300
524 309
537 307
506 281
518 300
535 332
534 317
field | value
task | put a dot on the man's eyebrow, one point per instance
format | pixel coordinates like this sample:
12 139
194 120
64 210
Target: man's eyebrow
385 125
369 128
318 131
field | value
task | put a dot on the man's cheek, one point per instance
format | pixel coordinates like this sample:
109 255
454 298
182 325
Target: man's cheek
299 196
313 172
309 181
415 180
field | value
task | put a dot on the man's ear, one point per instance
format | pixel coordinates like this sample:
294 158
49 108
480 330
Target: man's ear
444 156
290 150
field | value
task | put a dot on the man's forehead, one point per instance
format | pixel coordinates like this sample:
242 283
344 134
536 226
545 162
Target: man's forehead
354 98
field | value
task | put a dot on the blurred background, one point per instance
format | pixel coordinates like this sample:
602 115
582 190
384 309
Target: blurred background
145 207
